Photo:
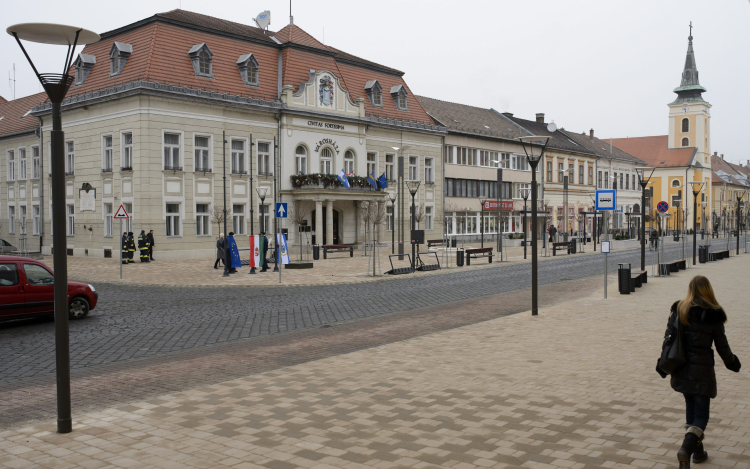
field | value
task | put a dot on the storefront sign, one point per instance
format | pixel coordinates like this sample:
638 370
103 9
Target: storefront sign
504 205
326 125
323 125
327 141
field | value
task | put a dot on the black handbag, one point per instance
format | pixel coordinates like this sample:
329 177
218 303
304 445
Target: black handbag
673 351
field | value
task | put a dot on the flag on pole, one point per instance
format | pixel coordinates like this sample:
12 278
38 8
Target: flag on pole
283 251
234 253
373 180
255 252
343 179
382 181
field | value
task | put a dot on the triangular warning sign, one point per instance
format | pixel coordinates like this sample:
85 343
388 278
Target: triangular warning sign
121 214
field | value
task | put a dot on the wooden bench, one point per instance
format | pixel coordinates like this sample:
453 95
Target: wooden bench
559 247
331 248
722 254
668 267
478 252
637 279
436 242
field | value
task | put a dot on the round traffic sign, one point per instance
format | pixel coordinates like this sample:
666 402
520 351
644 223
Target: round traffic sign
662 206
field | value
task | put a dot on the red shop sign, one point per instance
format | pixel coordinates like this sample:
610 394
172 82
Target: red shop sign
492 205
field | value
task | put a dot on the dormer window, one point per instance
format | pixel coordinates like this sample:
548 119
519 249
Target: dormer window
84 63
201 56
399 96
118 55
248 66
374 92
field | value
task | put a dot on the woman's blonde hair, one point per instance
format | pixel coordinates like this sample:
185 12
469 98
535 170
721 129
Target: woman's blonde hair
701 294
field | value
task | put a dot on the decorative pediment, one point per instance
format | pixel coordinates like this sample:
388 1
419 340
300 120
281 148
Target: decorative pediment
324 92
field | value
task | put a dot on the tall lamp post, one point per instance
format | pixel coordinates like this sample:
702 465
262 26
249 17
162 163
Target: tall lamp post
525 196
697 187
534 146
413 188
393 196
56 86
400 190
643 181
262 191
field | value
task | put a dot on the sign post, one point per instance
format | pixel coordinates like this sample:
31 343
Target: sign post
606 201
281 212
121 215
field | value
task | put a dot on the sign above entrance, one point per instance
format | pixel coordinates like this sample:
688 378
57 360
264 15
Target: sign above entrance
327 141
606 199
504 205
315 124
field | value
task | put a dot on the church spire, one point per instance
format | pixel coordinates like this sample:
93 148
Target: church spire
690 89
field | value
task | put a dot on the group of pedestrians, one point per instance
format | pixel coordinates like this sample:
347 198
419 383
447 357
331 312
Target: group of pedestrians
145 247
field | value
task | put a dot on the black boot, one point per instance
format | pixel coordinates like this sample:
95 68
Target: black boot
693 439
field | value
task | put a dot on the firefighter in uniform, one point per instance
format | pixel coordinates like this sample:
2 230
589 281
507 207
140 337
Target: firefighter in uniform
124 248
143 245
131 248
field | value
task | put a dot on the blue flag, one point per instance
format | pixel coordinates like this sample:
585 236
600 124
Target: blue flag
343 179
382 182
235 254
373 180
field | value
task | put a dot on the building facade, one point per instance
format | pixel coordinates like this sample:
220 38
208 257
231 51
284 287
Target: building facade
167 112
731 187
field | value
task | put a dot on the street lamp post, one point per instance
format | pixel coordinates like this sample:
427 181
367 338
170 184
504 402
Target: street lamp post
392 197
643 181
262 196
697 187
227 268
56 86
400 190
413 188
525 196
531 145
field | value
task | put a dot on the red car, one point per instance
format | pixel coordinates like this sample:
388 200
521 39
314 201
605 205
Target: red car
27 289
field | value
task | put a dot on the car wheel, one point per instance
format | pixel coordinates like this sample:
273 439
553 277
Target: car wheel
79 308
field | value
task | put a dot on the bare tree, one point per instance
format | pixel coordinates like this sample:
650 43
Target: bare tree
298 215
446 215
418 214
217 215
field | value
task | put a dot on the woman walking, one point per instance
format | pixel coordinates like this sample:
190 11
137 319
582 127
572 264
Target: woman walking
220 253
702 320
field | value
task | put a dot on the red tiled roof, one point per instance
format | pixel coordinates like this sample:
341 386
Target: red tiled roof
218 24
12 112
654 151
294 34
734 171
3 100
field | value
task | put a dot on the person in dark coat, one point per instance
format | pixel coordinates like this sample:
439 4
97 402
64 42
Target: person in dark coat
150 237
552 233
125 254
264 252
702 320
131 248
143 246
219 251
228 256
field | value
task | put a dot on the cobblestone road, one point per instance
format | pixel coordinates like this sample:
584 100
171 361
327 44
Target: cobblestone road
133 322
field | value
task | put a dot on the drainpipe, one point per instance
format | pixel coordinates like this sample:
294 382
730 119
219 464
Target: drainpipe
41 184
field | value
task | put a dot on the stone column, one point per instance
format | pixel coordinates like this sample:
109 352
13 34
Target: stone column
318 221
329 221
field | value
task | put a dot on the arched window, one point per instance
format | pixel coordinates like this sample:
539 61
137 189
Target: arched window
676 183
685 124
204 63
326 160
301 157
685 142
348 162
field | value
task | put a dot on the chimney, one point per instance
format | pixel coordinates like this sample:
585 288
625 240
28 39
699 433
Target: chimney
591 133
508 114
540 117
722 157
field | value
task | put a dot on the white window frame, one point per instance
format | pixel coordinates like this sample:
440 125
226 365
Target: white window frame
300 159
350 162
22 218
35 162
128 223
389 218
429 218
108 212
326 163
238 158
108 153
70 218
413 168
173 226
70 157
449 155
22 164
205 151
266 158
390 168
202 220
36 214
11 219
429 171
11 158
126 162
372 164
171 146
239 223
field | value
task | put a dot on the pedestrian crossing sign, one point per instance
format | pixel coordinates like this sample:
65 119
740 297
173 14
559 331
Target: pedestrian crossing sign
121 214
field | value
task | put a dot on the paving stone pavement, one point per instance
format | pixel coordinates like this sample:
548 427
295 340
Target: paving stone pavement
572 388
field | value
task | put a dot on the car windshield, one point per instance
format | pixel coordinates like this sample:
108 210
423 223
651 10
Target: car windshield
38 275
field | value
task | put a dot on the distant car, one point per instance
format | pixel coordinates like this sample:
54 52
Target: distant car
27 289
6 247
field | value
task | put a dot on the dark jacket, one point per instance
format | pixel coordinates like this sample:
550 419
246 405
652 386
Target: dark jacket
142 241
220 254
150 239
706 327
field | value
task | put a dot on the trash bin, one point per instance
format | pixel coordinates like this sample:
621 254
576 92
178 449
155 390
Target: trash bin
316 252
459 257
453 242
702 254
573 246
623 279
677 236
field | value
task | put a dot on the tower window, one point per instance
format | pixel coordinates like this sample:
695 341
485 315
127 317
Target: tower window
685 124
685 142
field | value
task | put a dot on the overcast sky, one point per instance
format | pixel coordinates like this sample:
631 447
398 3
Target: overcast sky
606 65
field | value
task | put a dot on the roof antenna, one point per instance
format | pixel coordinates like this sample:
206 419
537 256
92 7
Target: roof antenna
291 18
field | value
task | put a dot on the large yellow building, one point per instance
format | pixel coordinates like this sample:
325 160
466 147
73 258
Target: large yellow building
683 155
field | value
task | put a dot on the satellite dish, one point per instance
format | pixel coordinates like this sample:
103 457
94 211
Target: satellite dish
263 19
551 127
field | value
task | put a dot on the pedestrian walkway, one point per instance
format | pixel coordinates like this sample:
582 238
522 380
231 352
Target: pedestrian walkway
574 387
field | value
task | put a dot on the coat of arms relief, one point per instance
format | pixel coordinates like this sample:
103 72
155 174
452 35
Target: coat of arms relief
326 91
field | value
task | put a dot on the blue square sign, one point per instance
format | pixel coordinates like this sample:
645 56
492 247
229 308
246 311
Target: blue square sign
281 210
606 199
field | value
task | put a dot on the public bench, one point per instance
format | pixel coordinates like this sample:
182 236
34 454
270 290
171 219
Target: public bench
637 279
436 242
477 253
331 248
722 254
563 246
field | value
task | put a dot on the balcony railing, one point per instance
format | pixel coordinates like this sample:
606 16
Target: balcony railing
238 171
172 168
126 168
265 173
107 169
201 169
68 173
